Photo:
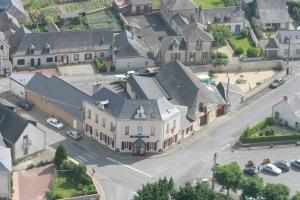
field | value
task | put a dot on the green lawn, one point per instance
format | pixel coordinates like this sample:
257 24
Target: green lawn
238 41
156 4
210 3
63 187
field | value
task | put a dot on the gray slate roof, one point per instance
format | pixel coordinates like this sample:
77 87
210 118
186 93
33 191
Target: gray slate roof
7 4
62 94
234 92
181 4
127 44
194 31
186 89
268 44
11 125
123 108
272 11
284 36
5 159
222 15
294 103
66 41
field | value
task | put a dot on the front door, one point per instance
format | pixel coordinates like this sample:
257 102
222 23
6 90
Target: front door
39 61
32 62
139 147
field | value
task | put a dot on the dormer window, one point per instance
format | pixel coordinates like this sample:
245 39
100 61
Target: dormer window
102 41
140 113
47 48
31 49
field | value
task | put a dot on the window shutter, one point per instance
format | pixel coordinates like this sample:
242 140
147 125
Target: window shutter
129 145
155 144
122 146
148 146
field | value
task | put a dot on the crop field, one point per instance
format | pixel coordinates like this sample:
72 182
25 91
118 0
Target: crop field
103 19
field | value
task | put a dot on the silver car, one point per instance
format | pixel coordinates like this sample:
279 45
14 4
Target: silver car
74 134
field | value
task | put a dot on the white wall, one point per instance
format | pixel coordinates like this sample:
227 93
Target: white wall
121 64
17 89
286 115
37 138
5 184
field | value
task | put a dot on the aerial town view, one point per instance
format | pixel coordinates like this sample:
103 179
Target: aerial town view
149 99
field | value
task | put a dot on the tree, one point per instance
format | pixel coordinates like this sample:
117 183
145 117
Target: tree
254 52
296 196
229 176
220 33
276 192
296 13
162 189
252 187
60 155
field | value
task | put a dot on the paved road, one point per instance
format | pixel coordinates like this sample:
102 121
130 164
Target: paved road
120 175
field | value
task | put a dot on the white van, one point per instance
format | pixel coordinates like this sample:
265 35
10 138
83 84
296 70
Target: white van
120 77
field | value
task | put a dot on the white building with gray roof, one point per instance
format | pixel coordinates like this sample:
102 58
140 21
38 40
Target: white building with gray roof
5 172
14 8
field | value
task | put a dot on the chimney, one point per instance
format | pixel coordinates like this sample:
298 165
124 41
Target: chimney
285 98
96 86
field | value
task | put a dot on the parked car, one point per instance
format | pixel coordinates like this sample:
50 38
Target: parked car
296 163
283 165
74 134
250 171
128 73
272 169
277 82
55 123
120 77
25 105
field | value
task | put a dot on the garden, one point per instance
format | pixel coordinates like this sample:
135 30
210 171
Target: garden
268 131
104 19
216 3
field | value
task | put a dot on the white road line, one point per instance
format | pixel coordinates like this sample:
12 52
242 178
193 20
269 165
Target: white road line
224 147
82 158
129 167
89 155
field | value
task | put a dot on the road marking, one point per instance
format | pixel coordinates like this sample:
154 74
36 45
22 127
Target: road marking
82 158
224 147
129 167
90 156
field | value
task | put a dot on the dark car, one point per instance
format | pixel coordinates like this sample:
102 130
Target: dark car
296 163
277 82
250 171
25 105
283 165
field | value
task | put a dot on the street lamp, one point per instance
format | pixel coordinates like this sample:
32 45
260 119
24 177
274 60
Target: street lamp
214 171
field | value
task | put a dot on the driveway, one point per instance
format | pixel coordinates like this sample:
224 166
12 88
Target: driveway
82 69
32 184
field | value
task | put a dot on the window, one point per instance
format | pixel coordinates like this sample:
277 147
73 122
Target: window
1 47
111 126
152 145
88 56
139 130
76 57
298 52
146 62
89 114
126 145
126 130
199 44
297 124
277 115
31 51
174 123
168 128
25 138
129 64
204 55
102 54
97 133
59 58
25 151
286 51
47 49
103 122
21 62
152 131
49 59
96 118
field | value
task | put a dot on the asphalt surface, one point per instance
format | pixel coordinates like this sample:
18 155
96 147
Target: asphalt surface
122 174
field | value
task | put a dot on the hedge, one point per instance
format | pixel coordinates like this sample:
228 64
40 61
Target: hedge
272 138
101 67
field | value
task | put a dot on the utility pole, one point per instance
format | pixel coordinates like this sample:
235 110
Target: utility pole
227 92
214 172
288 59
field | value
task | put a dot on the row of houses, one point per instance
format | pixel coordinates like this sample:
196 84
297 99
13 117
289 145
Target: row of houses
157 111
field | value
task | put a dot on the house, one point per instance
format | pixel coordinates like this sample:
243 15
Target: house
193 45
231 17
133 7
5 64
14 8
287 111
7 21
285 44
232 94
18 84
169 8
61 48
23 138
130 52
57 98
272 14
5 171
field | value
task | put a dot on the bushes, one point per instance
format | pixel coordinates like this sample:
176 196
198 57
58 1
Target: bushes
244 33
254 52
219 55
269 131
278 68
30 166
238 51
77 173
101 67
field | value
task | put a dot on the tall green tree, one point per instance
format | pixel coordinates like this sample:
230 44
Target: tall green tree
296 196
252 187
276 192
162 189
220 33
229 176
60 155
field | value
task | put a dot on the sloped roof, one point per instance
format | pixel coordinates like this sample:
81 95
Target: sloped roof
194 31
231 14
269 43
11 125
22 79
181 4
234 92
64 95
273 11
167 42
66 41
136 2
283 37
5 159
126 44
13 3
294 103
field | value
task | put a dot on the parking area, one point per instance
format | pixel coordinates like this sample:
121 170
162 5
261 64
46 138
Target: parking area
32 184
82 69
45 71
152 28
